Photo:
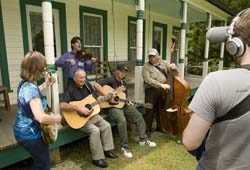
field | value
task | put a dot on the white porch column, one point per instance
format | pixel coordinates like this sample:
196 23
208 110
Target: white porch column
139 90
222 48
49 51
181 65
205 62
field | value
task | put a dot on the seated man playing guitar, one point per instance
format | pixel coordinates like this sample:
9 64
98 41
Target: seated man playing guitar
127 112
101 140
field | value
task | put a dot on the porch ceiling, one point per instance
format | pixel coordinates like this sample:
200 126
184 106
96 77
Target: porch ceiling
172 8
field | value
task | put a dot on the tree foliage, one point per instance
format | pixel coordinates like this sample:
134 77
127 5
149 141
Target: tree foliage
197 39
237 5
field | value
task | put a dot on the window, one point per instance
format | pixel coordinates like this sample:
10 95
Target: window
93 35
157 43
132 41
35 34
132 27
160 38
176 53
35 30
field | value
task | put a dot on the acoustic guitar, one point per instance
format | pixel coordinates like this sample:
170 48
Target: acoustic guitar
121 100
76 120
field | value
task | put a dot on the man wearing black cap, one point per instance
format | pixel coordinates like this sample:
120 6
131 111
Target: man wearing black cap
127 112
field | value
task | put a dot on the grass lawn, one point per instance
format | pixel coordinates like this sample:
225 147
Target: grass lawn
168 155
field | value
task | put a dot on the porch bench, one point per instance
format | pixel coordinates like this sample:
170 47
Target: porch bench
68 135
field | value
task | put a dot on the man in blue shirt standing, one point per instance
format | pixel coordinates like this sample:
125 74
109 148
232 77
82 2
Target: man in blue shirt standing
70 62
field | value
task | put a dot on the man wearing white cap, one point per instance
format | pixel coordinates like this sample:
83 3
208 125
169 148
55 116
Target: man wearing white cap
154 73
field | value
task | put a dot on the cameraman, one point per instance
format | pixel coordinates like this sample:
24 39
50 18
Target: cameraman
227 145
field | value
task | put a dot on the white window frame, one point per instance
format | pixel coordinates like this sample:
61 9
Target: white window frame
156 28
55 12
133 22
31 8
95 46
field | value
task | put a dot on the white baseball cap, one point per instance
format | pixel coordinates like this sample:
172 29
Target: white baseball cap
152 51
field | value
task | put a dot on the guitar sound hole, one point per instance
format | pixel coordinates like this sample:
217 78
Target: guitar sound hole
88 106
117 98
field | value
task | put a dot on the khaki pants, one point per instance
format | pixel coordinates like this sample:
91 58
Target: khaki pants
101 138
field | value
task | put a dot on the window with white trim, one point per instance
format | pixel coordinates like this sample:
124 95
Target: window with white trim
132 40
93 35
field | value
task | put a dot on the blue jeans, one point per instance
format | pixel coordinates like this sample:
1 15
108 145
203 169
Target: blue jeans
39 152
199 167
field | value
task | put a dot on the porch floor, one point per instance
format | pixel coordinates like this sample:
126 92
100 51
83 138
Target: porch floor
7 119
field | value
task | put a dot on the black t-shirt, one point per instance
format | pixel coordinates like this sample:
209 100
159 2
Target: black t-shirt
113 82
74 93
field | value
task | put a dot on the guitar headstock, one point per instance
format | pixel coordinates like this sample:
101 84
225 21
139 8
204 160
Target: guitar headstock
115 92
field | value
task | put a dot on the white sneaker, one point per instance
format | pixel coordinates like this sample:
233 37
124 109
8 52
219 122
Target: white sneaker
126 152
147 142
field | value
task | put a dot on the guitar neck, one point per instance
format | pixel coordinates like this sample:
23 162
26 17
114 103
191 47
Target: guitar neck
146 105
101 99
134 102
104 98
123 100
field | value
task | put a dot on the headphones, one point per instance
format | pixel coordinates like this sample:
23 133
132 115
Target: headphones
235 45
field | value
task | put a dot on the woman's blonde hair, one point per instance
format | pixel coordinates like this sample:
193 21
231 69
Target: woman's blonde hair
33 66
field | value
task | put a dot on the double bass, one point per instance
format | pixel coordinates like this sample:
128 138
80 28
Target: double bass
175 113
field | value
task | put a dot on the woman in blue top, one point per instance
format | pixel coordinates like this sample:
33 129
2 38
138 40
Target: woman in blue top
70 62
31 108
